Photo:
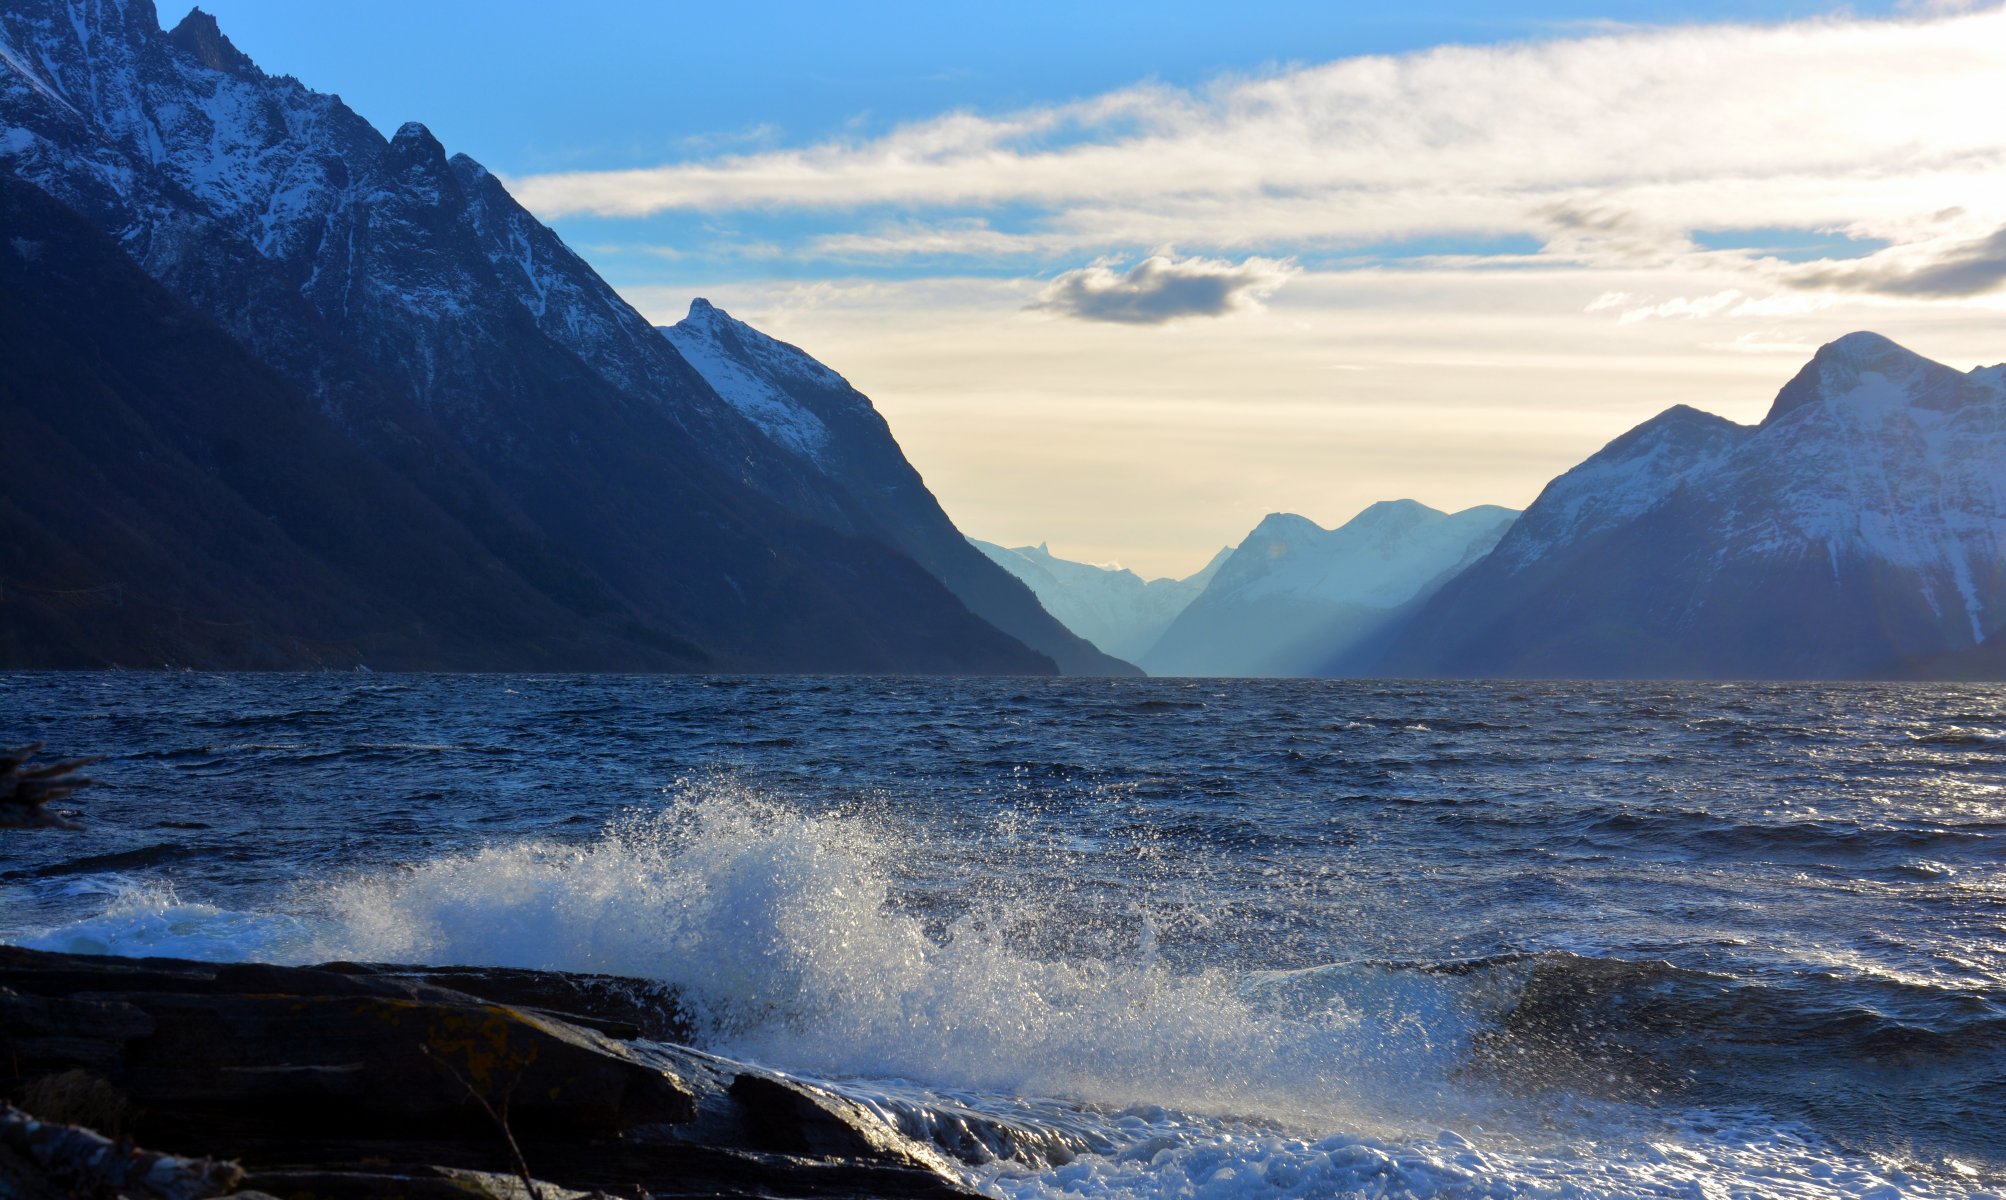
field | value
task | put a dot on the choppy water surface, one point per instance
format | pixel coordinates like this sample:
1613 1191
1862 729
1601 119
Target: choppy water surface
1144 937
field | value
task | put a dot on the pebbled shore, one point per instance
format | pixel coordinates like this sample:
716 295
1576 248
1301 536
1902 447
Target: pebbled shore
352 1080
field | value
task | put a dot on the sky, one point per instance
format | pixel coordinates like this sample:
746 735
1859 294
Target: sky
1126 277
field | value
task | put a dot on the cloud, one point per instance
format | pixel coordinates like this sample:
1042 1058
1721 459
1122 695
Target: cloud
1938 8
1966 268
1610 148
1163 288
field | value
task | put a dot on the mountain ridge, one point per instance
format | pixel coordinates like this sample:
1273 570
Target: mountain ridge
1295 597
455 339
834 431
1858 531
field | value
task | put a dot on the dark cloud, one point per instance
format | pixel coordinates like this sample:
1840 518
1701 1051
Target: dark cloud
1571 217
1967 269
1606 233
1161 288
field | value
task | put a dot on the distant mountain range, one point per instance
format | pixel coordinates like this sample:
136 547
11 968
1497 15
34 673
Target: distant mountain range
1292 599
1858 532
420 432
1296 597
1115 609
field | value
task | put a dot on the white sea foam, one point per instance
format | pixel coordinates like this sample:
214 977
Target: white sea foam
142 919
781 928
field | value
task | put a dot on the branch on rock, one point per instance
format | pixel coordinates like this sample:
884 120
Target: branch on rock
26 791
91 1164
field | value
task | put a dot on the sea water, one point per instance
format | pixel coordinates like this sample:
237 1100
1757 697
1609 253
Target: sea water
1142 937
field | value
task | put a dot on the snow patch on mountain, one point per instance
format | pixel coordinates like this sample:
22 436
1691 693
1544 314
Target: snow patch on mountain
1859 530
1869 454
1629 477
751 370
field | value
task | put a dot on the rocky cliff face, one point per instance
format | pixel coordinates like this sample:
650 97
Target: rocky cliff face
1858 531
456 342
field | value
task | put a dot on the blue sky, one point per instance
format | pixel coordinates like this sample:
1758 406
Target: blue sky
1127 276
530 86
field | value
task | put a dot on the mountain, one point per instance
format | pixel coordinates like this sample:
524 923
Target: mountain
139 529
1858 532
1111 607
445 336
1298 599
865 486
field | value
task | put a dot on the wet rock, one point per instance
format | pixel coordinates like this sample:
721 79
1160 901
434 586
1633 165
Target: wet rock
352 1079
87 1163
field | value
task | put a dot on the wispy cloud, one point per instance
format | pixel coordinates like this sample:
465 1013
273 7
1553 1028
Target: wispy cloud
1164 288
1608 148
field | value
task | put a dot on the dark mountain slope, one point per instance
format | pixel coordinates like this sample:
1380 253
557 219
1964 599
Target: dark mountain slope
456 342
864 483
139 525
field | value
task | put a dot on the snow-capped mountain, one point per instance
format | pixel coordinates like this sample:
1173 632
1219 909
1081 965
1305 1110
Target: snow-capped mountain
447 334
1112 607
1859 530
1296 598
866 486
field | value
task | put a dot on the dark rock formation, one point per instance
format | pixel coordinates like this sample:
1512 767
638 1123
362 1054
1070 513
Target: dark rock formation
351 1080
28 788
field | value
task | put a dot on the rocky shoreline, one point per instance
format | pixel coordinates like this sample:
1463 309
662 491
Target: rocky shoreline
353 1080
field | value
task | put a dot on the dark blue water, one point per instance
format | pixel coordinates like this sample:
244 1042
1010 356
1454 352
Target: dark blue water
1223 938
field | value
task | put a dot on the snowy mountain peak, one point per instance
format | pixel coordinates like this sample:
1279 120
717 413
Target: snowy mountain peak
1859 530
760 376
1393 516
1625 479
199 37
415 144
1868 361
1287 528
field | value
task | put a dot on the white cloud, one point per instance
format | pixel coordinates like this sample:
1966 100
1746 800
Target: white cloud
1608 148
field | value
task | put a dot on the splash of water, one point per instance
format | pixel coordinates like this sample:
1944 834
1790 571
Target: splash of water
783 930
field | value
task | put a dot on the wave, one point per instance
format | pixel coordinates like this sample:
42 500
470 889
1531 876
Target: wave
1960 736
792 941
783 932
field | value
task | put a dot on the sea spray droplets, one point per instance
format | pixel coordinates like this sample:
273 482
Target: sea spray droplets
720 894
783 929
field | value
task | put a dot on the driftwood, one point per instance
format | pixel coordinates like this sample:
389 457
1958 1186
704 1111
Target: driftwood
26 791
91 1164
